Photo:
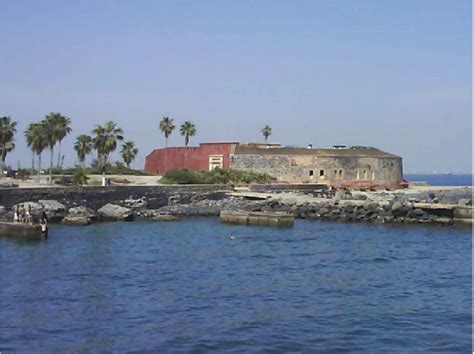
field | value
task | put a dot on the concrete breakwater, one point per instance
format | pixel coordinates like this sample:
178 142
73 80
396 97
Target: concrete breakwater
89 204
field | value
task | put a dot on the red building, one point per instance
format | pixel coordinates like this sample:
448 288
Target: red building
205 157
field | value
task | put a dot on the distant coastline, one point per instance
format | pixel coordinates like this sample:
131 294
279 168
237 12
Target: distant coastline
442 179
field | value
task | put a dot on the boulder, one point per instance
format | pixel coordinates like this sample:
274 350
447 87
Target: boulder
465 202
165 217
81 211
36 208
55 210
115 212
139 203
359 196
76 220
343 194
397 206
415 213
370 205
50 205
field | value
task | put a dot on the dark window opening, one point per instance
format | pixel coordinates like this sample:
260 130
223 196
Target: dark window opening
311 173
321 173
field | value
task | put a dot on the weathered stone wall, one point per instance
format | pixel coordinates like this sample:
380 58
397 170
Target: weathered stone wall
95 197
334 170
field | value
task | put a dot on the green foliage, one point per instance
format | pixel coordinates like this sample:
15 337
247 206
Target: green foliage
118 169
167 126
80 177
83 147
105 141
188 129
216 176
129 152
7 133
266 132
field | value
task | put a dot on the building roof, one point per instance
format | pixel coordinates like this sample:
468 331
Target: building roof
355 151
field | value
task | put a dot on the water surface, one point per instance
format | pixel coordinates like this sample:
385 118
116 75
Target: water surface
185 286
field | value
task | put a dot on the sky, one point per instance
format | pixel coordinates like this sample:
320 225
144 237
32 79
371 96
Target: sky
395 75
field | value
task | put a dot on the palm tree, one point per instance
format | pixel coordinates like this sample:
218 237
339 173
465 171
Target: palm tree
166 127
36 139
266 131
105 141
30 138
7 134
83 147
51 126
129 152
188 129
63 129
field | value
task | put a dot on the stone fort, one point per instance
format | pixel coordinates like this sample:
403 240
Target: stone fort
340 166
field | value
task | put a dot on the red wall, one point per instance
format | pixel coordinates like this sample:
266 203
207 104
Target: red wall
192 158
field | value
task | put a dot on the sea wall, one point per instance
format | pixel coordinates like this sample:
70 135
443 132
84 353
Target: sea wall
152 197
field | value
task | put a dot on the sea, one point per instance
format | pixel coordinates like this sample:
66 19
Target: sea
189 287
444 179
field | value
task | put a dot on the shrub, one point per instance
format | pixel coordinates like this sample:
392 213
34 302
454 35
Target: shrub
80 177
216 176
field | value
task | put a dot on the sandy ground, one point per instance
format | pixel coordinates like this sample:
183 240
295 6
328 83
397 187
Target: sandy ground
94 180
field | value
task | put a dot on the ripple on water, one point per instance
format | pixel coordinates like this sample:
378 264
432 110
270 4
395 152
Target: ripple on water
186 287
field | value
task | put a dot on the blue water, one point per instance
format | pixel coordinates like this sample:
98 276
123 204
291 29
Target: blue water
441 179
168 287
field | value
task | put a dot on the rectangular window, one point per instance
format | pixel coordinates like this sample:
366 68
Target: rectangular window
340 174
311 173
321 173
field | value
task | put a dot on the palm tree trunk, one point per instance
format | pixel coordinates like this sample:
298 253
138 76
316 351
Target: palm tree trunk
59 155
51 166
32 163
2 164
39 167
166 155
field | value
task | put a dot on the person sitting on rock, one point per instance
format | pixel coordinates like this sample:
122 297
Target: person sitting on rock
28 216
44 219
16 217
21 213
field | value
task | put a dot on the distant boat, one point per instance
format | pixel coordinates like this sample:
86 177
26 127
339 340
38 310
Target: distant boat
24 231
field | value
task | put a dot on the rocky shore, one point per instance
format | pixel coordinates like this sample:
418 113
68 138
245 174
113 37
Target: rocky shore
371 207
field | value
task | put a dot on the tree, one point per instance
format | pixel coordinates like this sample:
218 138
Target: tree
62 130
30 136
83 147
129 152
105 141
166 127
187 129
266 131
7 134
36 139
51 126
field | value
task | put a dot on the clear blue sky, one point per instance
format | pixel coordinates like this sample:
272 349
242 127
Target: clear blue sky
391 74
